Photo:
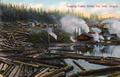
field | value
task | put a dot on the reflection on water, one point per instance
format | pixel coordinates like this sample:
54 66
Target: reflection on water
92 50
86 65
105 51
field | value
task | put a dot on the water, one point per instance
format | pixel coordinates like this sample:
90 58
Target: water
104 51
93 50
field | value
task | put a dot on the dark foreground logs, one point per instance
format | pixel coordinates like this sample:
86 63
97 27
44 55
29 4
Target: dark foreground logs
53 58
54 61
102 71
56 72
110 61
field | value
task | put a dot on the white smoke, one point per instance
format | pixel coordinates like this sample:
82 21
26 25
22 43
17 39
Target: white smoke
50 32
113 26
70 23
97 30
96 36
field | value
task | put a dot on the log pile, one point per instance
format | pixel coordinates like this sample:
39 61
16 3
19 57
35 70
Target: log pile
13 40
25 61
49 66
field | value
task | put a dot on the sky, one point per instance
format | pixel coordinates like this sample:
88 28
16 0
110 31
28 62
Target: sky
62 5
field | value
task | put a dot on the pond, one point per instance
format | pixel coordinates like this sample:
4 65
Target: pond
91 50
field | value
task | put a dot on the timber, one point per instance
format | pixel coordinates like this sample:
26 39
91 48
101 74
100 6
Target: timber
40 61
102 71
83 69
54 72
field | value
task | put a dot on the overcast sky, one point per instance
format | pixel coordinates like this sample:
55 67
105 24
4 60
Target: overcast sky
61 4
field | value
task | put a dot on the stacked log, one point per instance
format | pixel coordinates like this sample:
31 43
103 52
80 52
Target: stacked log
28 62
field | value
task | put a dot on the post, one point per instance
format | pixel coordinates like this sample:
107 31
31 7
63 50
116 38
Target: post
48 41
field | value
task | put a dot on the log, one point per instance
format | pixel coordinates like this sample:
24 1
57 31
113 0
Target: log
11 51
47 59
61 74
57 71
1 75
46 74
38 60
110 61
35 65
116 74
104 62
6 61
98 72
8 71
42 72
79 65
18 71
